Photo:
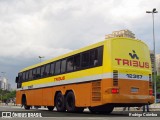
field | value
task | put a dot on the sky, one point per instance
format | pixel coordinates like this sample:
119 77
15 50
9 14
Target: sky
32 28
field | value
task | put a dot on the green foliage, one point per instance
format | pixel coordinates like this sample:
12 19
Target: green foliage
158 83
6 95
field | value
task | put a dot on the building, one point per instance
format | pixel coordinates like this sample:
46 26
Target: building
121 33
158 64
9 87
4 84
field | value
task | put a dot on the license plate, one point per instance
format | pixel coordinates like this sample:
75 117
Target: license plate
134 89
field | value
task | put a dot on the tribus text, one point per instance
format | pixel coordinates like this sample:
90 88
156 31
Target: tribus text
134 63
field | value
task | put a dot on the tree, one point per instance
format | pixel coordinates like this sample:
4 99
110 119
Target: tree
6 95
158 83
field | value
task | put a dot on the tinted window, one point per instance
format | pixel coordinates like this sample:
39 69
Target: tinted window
76 62
47 69
100 55
19 85
85 59
63 66
38 75
20 77
94 57
57 67
27 75
30 74
23 76
42 71
52 69
70 64
34 73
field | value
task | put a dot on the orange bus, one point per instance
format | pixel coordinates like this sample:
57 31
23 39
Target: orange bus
113 73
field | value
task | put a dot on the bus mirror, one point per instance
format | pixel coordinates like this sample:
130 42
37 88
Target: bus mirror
17 79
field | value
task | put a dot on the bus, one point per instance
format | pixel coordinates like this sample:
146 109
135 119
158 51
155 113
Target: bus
112 73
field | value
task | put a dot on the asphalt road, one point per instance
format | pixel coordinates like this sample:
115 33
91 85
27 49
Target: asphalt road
116 114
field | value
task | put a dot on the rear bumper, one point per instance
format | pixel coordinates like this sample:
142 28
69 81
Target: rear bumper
127 99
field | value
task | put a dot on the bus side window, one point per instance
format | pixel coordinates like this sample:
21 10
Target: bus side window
94 57
23 76
27 75
42 71
63 66
76 63
30 75
34 73
47 69
20 77
57 67
85 59
70 64
38 75
19 82
100 55
52 69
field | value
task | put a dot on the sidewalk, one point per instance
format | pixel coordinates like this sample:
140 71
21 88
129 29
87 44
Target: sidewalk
153 107
156 106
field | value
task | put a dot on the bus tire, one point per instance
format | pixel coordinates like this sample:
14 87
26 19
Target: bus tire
70 103
50 108
59 102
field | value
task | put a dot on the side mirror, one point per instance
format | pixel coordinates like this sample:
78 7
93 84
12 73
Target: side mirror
17 79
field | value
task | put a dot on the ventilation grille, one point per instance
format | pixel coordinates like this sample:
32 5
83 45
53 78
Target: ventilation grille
96 91
150 81
115 77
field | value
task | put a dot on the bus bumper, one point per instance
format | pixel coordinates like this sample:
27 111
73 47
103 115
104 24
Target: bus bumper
127 99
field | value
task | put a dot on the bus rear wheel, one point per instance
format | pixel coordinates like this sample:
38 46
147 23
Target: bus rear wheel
59 102
70 103
50 108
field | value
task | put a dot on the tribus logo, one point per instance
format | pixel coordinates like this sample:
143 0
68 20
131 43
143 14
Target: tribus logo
134 55
134 63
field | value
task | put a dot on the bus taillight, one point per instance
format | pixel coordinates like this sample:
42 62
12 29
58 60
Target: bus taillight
115 90
150 92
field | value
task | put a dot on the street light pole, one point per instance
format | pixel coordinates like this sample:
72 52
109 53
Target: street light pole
40 57
155 86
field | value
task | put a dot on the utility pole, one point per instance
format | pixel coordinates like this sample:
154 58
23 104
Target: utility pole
154 74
